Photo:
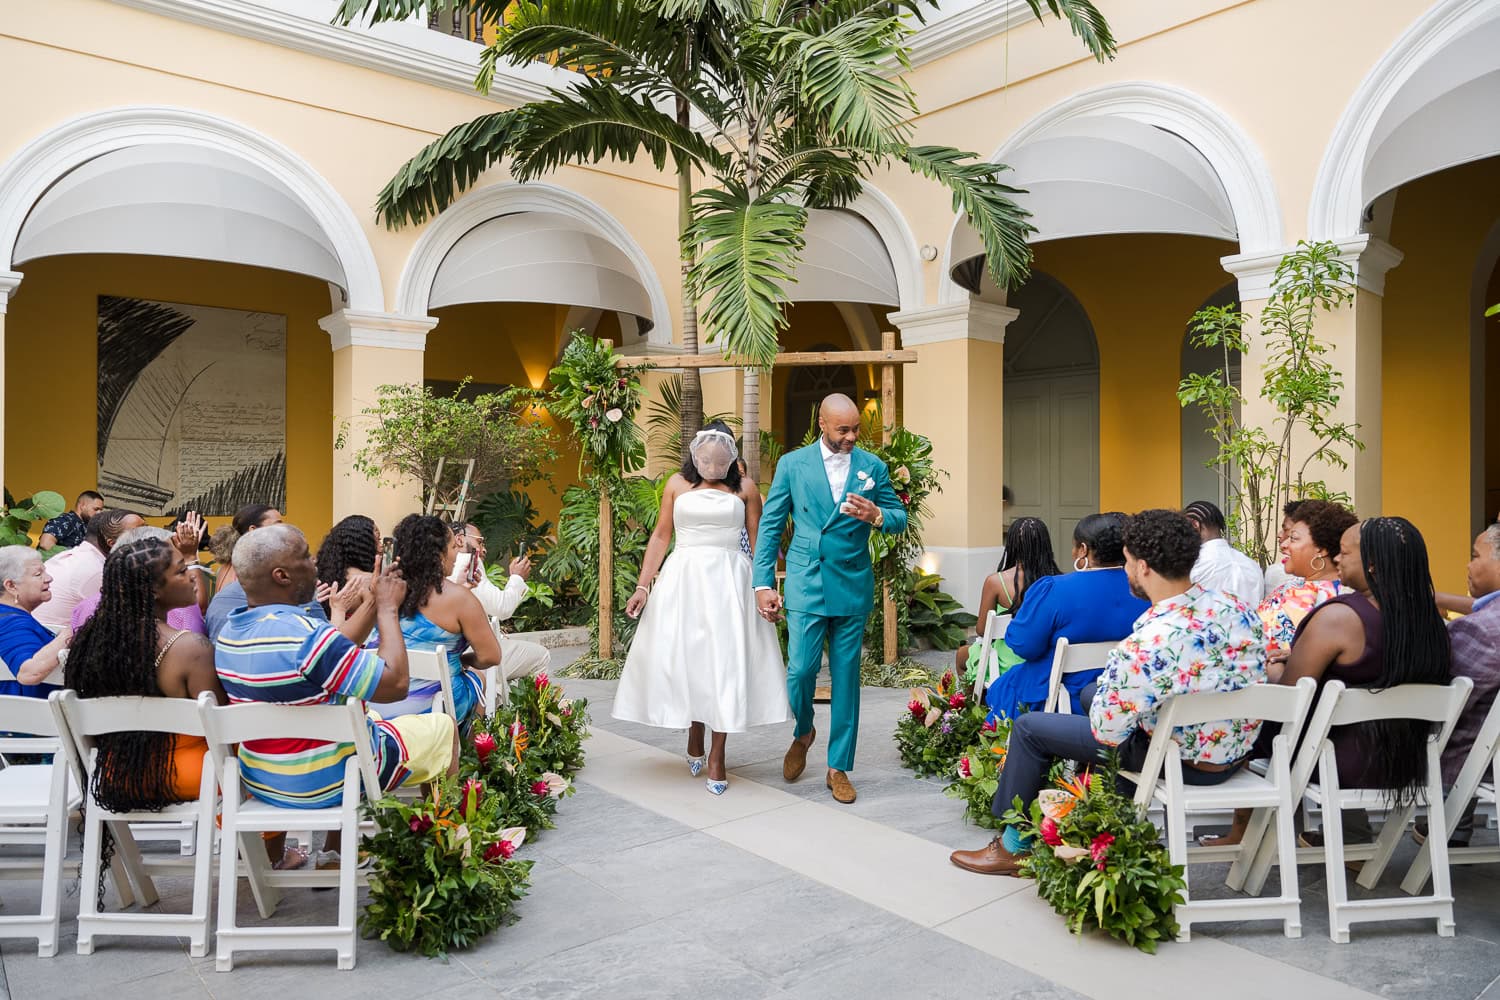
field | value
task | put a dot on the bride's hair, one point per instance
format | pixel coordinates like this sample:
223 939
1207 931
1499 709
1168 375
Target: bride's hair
731 476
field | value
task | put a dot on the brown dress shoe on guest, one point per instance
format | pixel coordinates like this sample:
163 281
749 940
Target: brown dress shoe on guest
843 790
993 859
796 758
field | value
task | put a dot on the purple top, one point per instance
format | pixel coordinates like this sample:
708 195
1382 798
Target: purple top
189 618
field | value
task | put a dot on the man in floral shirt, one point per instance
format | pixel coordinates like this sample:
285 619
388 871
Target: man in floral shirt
1189 640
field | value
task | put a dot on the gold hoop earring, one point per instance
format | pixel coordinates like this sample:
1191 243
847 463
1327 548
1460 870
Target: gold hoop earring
1316 567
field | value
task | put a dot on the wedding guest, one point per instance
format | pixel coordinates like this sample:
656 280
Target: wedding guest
1221 566
76 573
433 614
1276 574
66 529
1309 552
518 657
1028 558
185 617
1092 604
347 560
27 648
271 650
229 596
1189 640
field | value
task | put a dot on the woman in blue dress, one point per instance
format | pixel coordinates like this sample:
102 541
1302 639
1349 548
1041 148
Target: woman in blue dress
437 612
1091 604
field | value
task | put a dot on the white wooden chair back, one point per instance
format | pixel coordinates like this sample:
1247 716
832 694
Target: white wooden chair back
432 665
1478 778
989 664
86 719
1071 658
228 726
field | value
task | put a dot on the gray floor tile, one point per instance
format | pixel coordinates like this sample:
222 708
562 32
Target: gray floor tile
597 824
690 871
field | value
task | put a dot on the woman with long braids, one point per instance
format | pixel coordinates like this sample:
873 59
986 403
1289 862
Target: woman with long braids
437 615
1028 558
346 566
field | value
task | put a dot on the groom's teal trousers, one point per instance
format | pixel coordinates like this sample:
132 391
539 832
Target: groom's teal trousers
806 634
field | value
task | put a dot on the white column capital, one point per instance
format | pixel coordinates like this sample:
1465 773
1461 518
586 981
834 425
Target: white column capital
1370 257
970 320
9 282
352 328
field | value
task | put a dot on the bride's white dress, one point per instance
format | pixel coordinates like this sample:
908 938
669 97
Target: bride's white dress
702 653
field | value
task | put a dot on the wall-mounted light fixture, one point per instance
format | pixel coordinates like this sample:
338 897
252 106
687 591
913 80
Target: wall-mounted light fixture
929 252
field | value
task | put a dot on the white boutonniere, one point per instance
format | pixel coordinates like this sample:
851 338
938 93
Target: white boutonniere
866 482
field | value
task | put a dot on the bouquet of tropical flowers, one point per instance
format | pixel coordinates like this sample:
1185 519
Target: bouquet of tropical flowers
977 773
1099 861
527 751
600 400
557 724
443 872
939 724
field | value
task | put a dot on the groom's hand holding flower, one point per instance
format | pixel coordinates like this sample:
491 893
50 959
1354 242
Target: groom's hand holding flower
861 509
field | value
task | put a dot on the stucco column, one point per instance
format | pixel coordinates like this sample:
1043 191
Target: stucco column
1353 336
9 282
954 394
370 350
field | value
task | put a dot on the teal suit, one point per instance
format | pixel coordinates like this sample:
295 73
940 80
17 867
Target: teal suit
830 584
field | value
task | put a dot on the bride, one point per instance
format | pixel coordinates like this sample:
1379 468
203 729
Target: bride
702 656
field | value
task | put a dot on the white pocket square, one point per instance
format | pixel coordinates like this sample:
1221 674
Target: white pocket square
868 484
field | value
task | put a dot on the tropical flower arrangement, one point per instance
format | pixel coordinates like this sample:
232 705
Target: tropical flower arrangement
443 872
938 726
977 773
1099 861
600 400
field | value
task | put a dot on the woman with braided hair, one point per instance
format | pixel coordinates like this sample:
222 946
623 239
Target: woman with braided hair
127 648
349 550
1028 558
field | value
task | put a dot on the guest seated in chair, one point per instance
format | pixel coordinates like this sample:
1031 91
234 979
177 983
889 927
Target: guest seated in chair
66 529
1028 558
1308 552
229 596
347 560
1189 640
27 647
518 657
1221 566
271 650
1093 604
187 616
76 573
437 613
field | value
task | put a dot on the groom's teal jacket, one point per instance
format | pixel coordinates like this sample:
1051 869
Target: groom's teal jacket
828 570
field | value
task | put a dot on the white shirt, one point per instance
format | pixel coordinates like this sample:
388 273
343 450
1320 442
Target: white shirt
1221 566
498 604
836 465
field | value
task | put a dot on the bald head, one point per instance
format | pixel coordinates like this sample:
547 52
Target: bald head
838 420
275 566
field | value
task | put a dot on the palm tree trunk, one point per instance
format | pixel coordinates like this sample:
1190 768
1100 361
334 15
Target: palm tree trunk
692 385
750 423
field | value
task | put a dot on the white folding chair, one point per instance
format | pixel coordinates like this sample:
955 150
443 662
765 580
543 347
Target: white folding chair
432 665
989 663
35 800
1071 658
245 819
1272 791
87 719
1438 704
496 687
1482 763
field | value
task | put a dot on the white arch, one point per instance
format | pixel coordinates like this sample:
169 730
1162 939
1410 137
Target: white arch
1234 157
506 198
875 207
1336 210
49 156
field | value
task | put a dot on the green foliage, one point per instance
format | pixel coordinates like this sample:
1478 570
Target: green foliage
16 522
1099 862
1261 468
904 673
924 612
409 429
664 420
977 774
510 523
600 400
442 876
593 667
938 726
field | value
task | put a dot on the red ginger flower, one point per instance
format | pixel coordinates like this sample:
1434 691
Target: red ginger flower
540 789
484 745
541 681
957 700
964 769
1048 830
421 824
473 792
916 708
1099 847
500 850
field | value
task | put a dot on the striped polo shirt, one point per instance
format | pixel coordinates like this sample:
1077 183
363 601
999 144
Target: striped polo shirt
276 653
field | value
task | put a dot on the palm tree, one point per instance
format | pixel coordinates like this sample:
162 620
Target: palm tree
791 105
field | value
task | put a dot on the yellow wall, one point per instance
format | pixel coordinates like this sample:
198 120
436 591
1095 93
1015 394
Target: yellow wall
1440 225
1492 401
1139 292
51 344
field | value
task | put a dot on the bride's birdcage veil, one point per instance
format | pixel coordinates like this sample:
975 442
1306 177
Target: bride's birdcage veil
713 452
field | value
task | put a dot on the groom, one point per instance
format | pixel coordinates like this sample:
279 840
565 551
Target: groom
834 493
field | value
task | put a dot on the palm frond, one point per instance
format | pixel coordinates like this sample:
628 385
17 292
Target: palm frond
664 418
750 252
381 11
819 17
843 80
609 37
594 121
1086 21
430 181
985 201
739 10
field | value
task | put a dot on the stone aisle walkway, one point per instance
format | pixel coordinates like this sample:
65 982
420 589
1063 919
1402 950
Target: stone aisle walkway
652 888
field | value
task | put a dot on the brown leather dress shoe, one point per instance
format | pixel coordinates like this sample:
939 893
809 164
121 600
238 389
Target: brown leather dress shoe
796 758
843 789
992 859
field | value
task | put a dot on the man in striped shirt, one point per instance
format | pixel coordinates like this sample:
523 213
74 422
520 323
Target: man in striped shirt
272 651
